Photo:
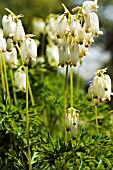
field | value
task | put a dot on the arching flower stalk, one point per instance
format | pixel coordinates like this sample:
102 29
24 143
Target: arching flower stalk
76 33
100 89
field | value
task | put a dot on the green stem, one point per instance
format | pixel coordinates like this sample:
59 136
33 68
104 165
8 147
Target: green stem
65 85
29 86
96 119
77 83
6 80
14 92
27 121
31 94
71 86
43 42
2 78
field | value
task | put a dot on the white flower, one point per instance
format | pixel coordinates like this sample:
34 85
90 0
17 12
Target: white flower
62 24
68 121
71 121
61 55
74 125
64 55
31 49
88 39
80 35
9 44
11 57
38 26
2 44
52 54
28 50
82 51
20 79
100 89
87 23
73 24
89 6
74 54
95 24
8 26
97 84
19 33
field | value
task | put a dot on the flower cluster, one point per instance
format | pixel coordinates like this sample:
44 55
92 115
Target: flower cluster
77 32
13 41
71 121
100 88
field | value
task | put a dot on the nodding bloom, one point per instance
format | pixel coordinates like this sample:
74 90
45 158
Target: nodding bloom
9 44
100 89
8 26
68 54
11 57
20 79
71 121
29 50
89 6
95 24
62 24
2 44
19 33
52 54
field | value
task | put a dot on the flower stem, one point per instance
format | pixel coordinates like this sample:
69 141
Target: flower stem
14 92
2 78
96 119
27 121
29 86
31 95
71 86
65 85
6 80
